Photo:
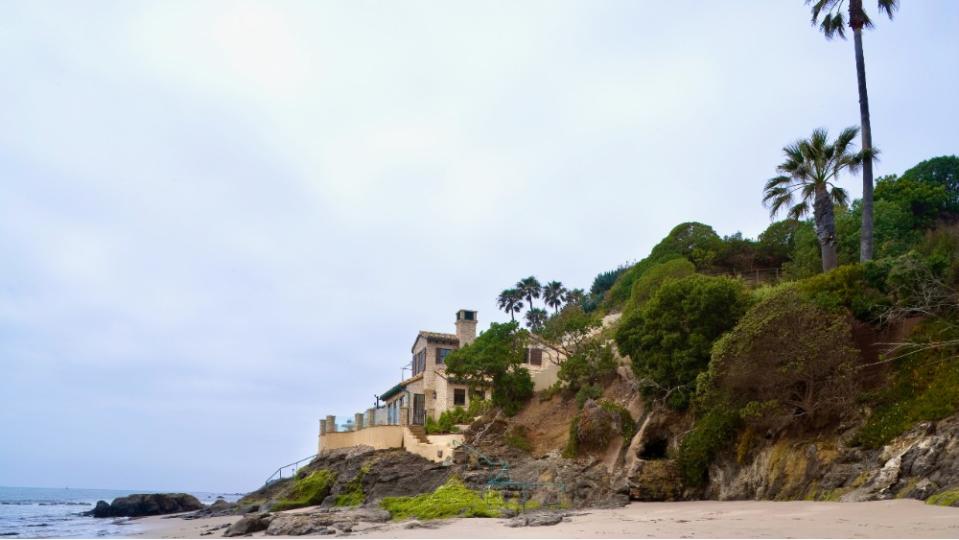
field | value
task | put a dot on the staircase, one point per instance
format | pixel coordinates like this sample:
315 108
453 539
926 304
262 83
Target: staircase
420 433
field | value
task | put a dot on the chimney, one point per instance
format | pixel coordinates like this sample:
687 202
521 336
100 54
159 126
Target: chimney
465 326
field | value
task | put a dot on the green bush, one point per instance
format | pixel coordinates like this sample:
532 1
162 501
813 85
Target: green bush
452 499
646 285
589 366
307 490
587 392
710 434
950 497
448 420
670 338
627 424
923 387
787 360
856 287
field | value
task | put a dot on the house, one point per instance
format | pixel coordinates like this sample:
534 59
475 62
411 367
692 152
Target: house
426 393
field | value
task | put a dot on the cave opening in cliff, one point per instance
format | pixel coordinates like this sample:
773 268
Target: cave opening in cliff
655 448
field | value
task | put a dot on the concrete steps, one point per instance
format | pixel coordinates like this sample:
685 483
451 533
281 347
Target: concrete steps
420 433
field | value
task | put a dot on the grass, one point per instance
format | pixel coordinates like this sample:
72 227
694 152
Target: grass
353 491
945 498
308 490
452 499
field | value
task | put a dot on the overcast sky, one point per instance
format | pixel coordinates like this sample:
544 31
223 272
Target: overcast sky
221 221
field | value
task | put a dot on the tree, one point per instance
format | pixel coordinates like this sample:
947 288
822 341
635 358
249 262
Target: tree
811 168
530 288
510 301
787 360
670 338
554 294
575 297
829 15
536 318
495 358
942 170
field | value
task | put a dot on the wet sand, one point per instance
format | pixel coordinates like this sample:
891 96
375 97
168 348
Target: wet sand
696 519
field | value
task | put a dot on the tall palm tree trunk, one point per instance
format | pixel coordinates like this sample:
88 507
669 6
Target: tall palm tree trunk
856 20
825 228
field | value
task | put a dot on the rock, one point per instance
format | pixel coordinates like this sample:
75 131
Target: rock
249 525
538 519
923 489
153 504
101 510
300 525
417 524
596 426
655 480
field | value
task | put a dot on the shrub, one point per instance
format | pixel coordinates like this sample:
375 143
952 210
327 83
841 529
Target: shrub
586 393
452 499
856 287
670 338
307 490
949 497
448 420
710 434
588 367
787 359
627 424
646 285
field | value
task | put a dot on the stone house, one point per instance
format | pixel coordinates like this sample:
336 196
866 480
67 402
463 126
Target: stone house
426 393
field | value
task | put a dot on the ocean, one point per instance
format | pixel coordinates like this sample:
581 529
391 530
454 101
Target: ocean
27 512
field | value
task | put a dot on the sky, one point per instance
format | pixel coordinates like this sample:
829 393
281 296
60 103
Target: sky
221 221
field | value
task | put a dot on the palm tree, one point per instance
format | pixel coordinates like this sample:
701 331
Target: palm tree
575 297
554 294
829 15
811 168
511 301
536 318
530 288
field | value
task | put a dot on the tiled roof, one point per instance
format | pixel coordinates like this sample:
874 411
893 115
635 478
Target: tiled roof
438 335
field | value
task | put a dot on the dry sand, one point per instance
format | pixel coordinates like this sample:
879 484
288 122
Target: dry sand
698 519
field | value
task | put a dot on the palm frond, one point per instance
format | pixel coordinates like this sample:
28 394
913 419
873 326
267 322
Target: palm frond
889 7
840 196
798 211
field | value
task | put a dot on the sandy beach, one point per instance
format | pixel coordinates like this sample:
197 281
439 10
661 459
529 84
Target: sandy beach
698 519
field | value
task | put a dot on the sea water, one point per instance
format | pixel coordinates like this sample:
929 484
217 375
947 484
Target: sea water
27 512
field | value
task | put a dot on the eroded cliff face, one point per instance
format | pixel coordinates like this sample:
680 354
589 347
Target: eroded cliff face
918 464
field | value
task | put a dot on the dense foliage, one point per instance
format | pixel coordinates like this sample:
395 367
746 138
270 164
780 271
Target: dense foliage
787 360
495 358
669 339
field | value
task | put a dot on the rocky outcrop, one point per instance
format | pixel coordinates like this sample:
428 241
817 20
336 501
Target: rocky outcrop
152 504
918 464
220 507
326 521
379 473
249 525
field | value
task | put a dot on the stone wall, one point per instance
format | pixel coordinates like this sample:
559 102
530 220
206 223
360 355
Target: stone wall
377 437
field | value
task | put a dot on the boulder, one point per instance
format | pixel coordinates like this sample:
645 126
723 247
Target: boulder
249 525
152 504
655 480
300 525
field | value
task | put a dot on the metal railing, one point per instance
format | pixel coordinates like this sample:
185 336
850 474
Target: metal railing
292 467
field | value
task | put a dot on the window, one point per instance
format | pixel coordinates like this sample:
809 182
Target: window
441 355
459 397
419 362
534 357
